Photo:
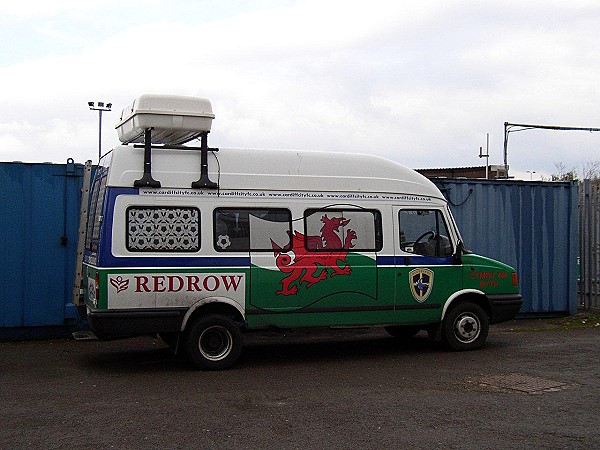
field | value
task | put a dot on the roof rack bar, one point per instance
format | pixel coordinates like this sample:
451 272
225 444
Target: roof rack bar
147 180
171 147
204 181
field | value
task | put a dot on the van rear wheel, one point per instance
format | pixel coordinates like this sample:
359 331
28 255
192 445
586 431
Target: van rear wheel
465 327
214 342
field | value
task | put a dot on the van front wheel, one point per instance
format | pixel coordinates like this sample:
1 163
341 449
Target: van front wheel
214 342
465 327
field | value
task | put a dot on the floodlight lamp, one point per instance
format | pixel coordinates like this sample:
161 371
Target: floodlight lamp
100 104
91 104
109 105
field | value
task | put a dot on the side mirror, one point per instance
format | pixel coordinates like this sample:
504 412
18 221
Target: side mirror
457 259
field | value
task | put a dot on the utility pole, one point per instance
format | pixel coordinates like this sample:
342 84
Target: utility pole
514 127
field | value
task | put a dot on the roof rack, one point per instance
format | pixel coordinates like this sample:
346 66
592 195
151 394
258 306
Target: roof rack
167 121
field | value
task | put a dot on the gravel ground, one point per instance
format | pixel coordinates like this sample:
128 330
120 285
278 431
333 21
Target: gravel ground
536 384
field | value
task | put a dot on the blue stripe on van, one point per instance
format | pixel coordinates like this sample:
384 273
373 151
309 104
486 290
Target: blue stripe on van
429 261
389 260
175 261
413 261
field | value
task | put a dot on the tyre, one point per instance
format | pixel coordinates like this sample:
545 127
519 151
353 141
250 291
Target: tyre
465 327
214 342
402 331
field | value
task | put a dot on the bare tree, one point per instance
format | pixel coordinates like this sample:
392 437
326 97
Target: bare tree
591 170
562 173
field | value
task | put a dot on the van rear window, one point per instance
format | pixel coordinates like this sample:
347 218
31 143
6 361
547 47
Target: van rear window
257 229
162 229
95 212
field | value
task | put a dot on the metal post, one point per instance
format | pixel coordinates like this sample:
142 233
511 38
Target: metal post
586 260
99 135
99 106
204 182
506 149
147 180
486 156
523 127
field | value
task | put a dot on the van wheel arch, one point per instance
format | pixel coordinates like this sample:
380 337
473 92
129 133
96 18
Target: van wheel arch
478 298
213 306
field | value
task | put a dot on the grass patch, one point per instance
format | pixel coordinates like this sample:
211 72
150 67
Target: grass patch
576 322
581 320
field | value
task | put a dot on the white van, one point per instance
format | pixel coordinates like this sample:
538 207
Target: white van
200 245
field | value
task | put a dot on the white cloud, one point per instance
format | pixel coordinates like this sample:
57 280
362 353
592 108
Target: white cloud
23 9
421 83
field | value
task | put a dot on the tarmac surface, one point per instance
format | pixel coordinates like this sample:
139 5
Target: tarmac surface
531 386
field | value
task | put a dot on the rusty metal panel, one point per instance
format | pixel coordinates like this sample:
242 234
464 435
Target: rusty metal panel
533 226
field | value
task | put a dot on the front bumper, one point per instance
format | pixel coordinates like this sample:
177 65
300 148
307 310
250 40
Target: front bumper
504 307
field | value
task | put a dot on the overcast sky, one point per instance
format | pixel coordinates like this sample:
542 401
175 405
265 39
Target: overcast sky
421 83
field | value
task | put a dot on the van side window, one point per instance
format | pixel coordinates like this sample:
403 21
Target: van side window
249 229
162 229
95 213
424 232
343 229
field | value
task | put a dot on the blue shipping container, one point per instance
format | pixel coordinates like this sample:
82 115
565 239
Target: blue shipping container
39 215
530 225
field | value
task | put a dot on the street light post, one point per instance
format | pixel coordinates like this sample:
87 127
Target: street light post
99 106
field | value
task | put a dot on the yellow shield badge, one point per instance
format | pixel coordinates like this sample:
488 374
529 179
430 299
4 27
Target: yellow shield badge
421 283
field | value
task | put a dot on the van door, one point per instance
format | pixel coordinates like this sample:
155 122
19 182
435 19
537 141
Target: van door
258 233
326 270
424 251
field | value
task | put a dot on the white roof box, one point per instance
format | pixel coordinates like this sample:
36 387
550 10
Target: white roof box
174 119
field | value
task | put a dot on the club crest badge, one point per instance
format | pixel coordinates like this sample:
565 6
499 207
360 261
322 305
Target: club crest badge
421 283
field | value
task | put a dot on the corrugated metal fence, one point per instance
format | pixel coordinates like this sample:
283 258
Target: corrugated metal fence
589 243
530 225
39 215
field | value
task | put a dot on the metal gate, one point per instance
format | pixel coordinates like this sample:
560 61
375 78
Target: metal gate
589 244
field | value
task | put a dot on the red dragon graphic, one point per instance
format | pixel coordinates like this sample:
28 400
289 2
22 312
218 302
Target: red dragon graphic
310 267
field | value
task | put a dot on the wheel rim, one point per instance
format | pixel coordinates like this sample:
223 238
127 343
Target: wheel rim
215 343
467 328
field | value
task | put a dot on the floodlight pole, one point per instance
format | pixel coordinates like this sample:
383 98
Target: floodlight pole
508 128
100 106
